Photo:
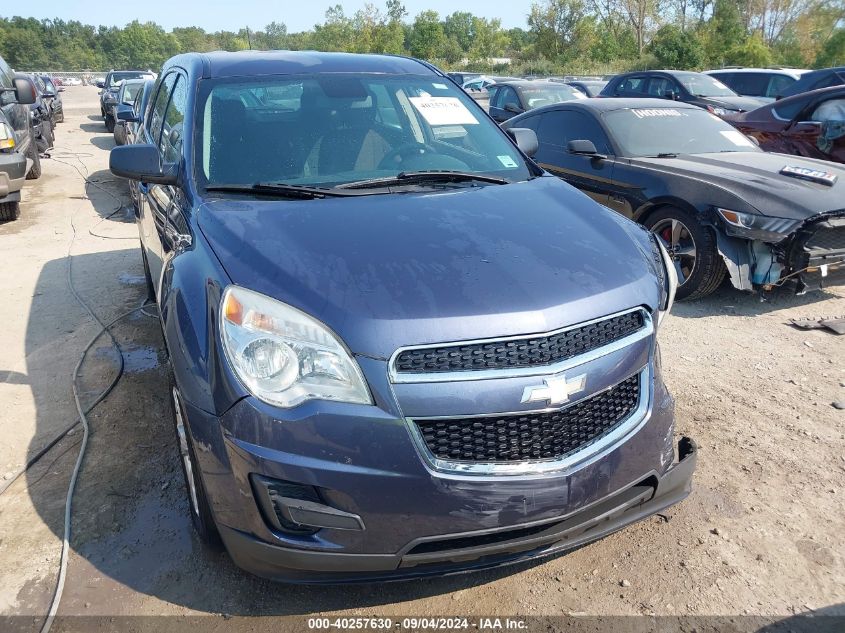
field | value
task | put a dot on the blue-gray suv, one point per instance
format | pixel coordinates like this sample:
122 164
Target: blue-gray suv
398 347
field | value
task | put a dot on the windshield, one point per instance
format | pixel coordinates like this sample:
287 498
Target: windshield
537 97
704 85
333 129
655 131
116 78
130 89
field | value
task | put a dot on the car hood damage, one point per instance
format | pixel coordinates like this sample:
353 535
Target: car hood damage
454 264
754 180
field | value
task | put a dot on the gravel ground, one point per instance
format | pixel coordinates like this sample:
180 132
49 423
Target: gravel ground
761 535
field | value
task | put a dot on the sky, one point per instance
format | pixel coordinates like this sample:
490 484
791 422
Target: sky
231 15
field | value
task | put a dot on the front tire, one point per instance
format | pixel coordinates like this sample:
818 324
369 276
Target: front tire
32 153
198 504
693 249
109 123
9 211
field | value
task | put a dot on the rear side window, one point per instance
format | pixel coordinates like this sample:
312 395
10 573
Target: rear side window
778 84
751 84
159 107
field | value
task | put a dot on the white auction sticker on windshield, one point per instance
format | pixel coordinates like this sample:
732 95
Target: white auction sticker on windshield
737 138
507 161
444 111
641 113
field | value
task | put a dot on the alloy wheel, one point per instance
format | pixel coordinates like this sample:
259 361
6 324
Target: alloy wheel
678 240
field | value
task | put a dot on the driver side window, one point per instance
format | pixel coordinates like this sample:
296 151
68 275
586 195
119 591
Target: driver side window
509 97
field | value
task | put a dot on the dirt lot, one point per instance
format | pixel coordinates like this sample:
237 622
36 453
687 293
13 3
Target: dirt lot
761 535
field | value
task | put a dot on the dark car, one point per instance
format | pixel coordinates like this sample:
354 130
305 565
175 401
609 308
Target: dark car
590 87
462 78
511 98
718 202
763 83
39 115
398 348
52 97
824 78
109 88
684 86
130 90
18 153
131 118
810 124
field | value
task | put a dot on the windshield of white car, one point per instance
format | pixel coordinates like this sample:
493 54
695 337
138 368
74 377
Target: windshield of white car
333 129
116 78
704 85
539 96
663 132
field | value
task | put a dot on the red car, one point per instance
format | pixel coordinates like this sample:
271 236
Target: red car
810 124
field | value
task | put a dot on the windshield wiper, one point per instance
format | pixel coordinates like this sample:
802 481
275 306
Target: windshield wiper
417 177
302 192
664 155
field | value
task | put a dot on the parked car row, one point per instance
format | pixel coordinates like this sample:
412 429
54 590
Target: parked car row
109 89
30 106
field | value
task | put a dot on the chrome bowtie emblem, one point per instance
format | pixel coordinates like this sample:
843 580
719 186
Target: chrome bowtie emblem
555 390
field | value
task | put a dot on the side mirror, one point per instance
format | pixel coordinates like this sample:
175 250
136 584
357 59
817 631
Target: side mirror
142 163
583 147
672 95
100 84
24 92
512 107
125 113
525 139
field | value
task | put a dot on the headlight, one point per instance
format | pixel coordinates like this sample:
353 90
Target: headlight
7 137
753 226
285 357
668 277
717 110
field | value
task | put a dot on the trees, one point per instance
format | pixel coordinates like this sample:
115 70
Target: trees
427 36
591 36
675 48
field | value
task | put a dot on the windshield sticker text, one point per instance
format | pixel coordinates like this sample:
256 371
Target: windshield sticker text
443 111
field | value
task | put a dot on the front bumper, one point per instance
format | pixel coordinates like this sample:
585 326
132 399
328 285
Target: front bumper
485 549
403 517
12 175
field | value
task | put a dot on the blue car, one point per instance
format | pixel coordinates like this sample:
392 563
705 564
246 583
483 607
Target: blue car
398 347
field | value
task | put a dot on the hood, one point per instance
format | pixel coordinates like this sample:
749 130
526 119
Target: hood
755 179
743 104
385 271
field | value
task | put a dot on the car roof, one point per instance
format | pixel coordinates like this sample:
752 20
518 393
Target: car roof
529 83
253 63
792 72
613 103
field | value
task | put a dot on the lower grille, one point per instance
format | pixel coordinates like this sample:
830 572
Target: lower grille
532 436
826 239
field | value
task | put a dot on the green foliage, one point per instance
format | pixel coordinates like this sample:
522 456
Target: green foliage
752 52
561 37
674 48
427 36
833 51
